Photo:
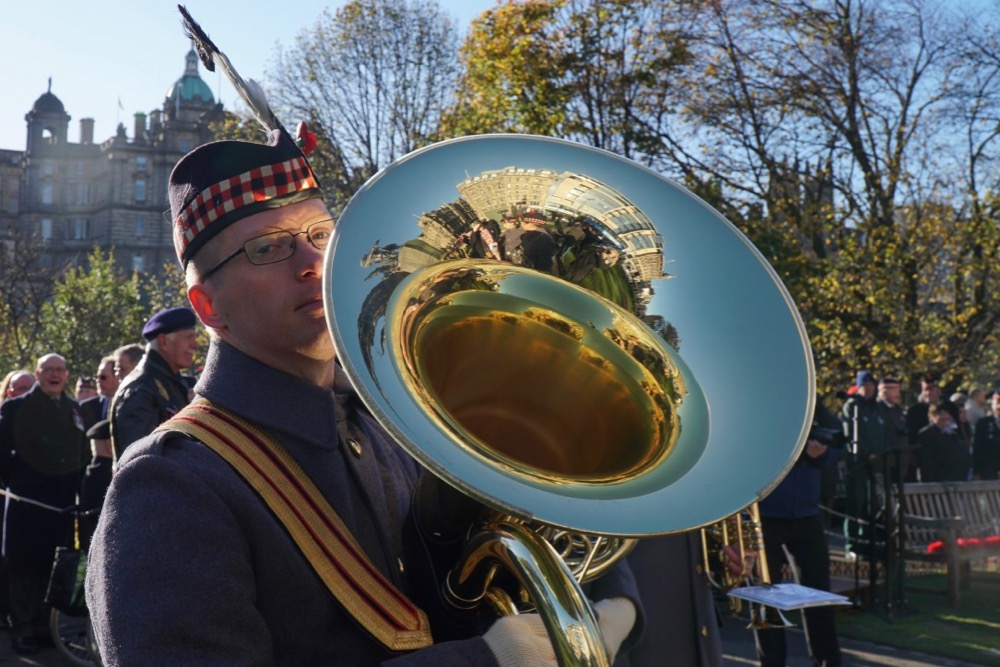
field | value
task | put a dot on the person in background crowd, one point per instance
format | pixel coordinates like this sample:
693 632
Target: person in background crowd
682 620
791 518
865 428
107 381
231 584
155 390
16 383
943 456
976 405
96 479
85 388
42 454
900 455
916 414
986 443
956 406
127 357
95 408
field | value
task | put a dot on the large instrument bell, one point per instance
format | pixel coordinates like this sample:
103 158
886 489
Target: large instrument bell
630 365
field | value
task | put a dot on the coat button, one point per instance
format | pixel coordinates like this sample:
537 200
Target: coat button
402 568
704 631
355 447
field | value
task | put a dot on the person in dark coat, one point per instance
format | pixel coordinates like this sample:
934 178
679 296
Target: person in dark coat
791 518
942 455
155 390
866 430
986 443
916 414
42 454
682 621
189 566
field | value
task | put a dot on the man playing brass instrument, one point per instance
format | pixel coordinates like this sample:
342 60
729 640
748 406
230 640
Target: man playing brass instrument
192 563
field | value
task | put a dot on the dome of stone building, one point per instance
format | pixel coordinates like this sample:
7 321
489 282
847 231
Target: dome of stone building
190 87
48 103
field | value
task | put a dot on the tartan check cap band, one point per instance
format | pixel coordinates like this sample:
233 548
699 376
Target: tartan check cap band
222 182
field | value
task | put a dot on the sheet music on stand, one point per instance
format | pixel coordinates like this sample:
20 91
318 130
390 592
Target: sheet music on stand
789 596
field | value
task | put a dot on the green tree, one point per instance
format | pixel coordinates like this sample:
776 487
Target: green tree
372 79
25 286
856 140
93 310
597 71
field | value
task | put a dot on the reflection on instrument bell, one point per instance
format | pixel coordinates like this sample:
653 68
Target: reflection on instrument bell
550 384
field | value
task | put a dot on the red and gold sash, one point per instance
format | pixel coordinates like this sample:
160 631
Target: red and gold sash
310 520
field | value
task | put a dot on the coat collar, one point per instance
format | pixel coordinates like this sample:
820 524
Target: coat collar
268 397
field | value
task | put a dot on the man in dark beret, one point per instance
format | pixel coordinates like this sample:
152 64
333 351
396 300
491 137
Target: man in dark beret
155 391
189 565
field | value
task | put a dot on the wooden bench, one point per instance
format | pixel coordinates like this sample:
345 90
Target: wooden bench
952 523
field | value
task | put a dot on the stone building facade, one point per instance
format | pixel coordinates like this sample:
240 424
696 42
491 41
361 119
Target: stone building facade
75 196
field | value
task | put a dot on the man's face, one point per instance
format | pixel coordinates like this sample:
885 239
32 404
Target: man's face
20 384
107 382
123 366
931 390
890 393
272 312
178 348
867 389
85 389
52 374
995 404
942 419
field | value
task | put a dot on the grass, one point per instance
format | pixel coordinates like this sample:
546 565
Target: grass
928 624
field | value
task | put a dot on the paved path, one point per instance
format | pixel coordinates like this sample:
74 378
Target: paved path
738 649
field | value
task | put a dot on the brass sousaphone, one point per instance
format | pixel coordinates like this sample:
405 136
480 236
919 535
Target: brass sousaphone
572 385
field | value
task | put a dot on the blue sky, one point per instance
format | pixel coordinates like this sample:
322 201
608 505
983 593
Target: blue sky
133 50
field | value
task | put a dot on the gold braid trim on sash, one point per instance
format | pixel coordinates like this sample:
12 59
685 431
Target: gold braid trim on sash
317 530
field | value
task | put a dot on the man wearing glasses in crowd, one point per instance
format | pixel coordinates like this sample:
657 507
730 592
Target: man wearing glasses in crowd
43 451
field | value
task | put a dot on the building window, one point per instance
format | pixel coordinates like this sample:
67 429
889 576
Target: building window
83 193
140 189
81 229
48 170
185 145
47 193
138 263
46 228
140 226
140 163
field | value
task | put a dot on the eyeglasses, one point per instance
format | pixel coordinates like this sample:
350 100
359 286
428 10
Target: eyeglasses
278 246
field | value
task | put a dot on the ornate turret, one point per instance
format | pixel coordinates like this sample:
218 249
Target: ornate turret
48 122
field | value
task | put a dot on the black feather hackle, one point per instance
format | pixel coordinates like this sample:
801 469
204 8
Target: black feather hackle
249 90
203 44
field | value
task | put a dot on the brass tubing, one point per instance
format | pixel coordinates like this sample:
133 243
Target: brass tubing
568 617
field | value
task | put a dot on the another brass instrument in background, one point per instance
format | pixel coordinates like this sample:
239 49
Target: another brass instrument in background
549 386
739 539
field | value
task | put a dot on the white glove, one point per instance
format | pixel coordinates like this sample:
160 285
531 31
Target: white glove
615 617
521 641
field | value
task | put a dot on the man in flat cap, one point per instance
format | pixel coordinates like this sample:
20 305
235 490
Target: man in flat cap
155 390
193 562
